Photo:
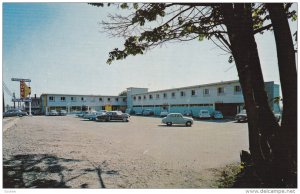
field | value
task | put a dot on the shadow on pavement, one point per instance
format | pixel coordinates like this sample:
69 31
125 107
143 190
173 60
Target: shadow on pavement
174 125
46 171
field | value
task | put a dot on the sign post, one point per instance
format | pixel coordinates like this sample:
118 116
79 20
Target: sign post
24 92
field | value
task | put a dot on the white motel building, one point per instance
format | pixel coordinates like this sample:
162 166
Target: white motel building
226 97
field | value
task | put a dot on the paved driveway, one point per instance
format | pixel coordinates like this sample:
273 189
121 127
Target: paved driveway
65 151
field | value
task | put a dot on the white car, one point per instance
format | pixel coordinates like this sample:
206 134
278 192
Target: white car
204 114
277 116
164 114
53 113
177 118
242 116
92 116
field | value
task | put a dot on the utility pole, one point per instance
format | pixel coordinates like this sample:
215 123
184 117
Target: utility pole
14 97
3 107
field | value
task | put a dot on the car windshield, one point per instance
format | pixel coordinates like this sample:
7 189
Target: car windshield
217 112
243 112
204 111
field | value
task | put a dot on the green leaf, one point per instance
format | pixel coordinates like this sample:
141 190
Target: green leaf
135 5
294 17
124 6
201 37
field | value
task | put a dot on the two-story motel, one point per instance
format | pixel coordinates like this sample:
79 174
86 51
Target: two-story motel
226 97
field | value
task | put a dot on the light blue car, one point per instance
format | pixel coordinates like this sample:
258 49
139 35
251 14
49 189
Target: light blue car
92 116
177 118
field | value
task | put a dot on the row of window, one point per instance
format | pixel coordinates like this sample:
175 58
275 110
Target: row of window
206 92
172 105
74 99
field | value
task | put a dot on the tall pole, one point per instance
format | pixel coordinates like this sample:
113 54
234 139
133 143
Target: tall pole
3 108
30 101
14 96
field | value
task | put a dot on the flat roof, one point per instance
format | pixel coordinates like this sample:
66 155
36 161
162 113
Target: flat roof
195 86
91 95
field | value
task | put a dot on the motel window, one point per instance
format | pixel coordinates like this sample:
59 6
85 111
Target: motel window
237 89
124 99
62 98
144 97
134 98
220 90
140 97
150 96
206 91
182 93
51 98
82 99
100 99
157 95
165 95
108 99
73 99
193 93
173 94
117 99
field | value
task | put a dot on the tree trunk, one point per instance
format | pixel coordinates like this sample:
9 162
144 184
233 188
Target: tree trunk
287 144
261 121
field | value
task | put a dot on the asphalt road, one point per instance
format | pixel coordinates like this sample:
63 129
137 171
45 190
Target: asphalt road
64 151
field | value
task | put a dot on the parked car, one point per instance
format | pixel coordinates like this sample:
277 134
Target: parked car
53 113
82 113
113 116
93 115
217 115
164 114
177 118
277 116
14 112
204 114
63 113
188 113
147 112
242 116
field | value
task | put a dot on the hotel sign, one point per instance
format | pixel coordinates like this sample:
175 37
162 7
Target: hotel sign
19 79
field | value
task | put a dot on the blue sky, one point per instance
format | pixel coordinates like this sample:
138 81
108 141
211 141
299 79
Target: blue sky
59 47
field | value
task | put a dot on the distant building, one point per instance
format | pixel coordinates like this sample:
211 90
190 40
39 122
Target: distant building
74 102
226 97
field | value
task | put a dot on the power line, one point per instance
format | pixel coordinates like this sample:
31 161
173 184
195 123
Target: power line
7 89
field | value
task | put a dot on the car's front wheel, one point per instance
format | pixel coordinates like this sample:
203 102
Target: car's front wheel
188 123
169 124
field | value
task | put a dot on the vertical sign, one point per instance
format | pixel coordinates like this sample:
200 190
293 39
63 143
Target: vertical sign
22 89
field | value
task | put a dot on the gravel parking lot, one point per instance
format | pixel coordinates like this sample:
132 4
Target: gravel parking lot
65 151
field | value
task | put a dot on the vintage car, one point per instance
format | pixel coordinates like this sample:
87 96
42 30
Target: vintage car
217 115
62 112
14 112
148 112
242 116
53 113
277 116
92 116
164 114
177 118
82 113
113 116
204 114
